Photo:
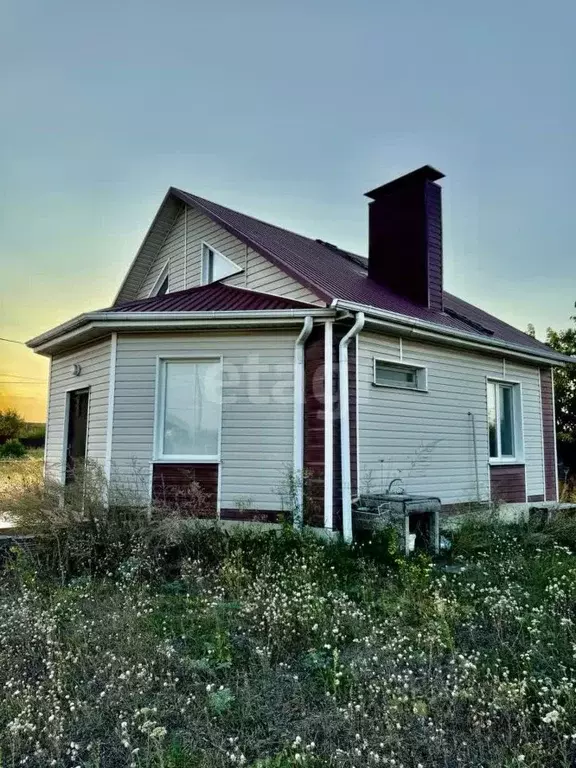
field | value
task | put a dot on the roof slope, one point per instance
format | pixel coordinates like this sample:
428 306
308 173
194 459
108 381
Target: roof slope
215 297
333 273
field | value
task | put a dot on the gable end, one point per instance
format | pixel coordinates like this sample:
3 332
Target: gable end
175 244
151 245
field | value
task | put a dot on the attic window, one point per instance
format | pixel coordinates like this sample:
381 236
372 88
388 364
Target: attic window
162 285
216 266
399 375
163 290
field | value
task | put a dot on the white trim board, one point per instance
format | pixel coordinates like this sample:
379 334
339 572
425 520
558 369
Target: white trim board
111 396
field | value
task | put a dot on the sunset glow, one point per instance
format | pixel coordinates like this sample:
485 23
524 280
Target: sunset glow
297 112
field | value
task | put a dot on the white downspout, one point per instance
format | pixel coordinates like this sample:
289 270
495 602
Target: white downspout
299 397
185 247
345 426
328 427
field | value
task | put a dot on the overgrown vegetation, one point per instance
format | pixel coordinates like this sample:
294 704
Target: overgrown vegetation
565 401
17 475
18 438
145 640
12 424
12 449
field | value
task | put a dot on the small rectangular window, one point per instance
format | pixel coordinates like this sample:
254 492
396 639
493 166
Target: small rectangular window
388 374
504 421
189 405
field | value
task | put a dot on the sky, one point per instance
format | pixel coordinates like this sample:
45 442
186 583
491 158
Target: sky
289 111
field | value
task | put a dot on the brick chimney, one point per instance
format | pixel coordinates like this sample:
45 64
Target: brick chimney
405 237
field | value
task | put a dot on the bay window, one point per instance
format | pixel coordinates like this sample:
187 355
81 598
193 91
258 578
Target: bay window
504 422
189 410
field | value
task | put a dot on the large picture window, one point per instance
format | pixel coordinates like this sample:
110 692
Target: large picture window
504 421
189 410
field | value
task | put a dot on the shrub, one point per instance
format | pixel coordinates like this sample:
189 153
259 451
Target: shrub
75 529
12 449
277 650
34 431
11 424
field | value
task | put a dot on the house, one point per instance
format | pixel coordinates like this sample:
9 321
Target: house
236 352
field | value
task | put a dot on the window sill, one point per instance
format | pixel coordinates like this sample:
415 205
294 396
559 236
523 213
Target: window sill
507 462
186 460
404 389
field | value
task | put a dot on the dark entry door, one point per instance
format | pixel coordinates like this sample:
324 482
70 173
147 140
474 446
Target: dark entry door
77 432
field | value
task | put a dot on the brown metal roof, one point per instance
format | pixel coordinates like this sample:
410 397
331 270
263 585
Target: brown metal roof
332 273
215 297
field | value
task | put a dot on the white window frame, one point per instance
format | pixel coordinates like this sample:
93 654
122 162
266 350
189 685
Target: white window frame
159 415
203 246
165 273
518 422
421 375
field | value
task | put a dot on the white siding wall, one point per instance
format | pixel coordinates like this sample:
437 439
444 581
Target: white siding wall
95 363
258 273
426 438
257 412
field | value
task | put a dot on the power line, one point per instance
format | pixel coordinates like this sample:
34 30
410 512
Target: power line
20 376
13 341
23 381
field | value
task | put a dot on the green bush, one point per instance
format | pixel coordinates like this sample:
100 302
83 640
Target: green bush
76 531
12 449
34 431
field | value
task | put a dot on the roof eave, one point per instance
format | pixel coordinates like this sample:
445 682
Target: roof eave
427 330
87 326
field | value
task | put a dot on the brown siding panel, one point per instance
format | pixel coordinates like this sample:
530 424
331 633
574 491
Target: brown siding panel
173 487
314 426
549 433
508 483
251 515
434 240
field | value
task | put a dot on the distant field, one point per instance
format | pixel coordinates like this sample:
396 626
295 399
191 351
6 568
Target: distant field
18 472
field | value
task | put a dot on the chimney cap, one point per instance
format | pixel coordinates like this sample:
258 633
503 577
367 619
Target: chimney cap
419 176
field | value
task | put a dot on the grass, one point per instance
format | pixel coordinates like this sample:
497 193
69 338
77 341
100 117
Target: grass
272 651
17 473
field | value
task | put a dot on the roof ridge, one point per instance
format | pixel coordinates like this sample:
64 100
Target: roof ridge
207 206
266 223
315 266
